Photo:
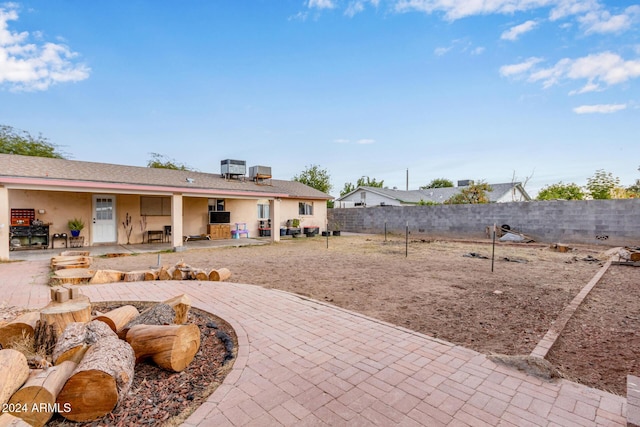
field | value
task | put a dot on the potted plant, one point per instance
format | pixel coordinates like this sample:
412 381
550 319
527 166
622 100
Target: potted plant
336 228
75 226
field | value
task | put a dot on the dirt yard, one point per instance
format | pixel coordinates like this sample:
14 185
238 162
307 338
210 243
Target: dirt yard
443 289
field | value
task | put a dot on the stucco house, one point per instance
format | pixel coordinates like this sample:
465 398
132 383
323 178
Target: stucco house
154 204
374 196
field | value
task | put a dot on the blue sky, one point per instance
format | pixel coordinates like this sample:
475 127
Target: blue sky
457 89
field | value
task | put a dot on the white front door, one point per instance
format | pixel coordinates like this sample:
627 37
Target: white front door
104 219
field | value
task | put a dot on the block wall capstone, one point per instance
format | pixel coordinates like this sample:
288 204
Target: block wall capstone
601 222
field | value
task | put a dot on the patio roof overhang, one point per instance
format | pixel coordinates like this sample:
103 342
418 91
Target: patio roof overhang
44 184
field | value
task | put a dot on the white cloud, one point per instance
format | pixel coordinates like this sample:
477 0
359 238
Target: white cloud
320 4
516 69
600 69
514 32
365 141
439 51
27 66
478 50
566 8
601 108
602 21
457 9
341 141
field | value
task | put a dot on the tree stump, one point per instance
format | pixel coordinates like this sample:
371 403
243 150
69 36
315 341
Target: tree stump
119 317
61 314
106 276
14 371
38 394
100 380
76 339
22 326
71 277
172 347
219 275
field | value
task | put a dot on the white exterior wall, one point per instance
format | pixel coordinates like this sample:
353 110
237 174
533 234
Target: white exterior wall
372 199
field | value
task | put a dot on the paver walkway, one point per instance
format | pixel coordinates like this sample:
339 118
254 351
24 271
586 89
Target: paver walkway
303 362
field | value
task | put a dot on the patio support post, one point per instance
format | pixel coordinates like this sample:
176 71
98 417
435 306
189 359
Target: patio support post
4 224
274 209
176 222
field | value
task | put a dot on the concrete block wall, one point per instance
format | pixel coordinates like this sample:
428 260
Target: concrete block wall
601 222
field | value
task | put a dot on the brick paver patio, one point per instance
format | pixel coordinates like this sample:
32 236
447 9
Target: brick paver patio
303 362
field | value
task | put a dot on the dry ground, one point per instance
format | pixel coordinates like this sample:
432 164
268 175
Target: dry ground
434 290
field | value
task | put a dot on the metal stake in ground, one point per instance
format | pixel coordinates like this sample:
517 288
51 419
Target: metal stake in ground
493 249
406 241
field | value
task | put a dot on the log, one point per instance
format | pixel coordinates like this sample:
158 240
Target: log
117 318
159 314
72 277
200 274
70 259
106 276
99 382
77 338
180 274
163 274
151 275
171 347
14 371
22 326
181 306
8 420
45 337
140 276
219 275
60 315
38 395
629 255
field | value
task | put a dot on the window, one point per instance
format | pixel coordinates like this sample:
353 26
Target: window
305 208
155 206
263 211
216 205
104 209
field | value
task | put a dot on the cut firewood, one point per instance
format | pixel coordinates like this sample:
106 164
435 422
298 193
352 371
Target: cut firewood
117 318
77 338
180 274
21 326
181 306
172 347
100 380
219 275
60 315
163 274
140 276
37 397
199 274
69 260
159 314
74 276
106 276
629 255
8 420
14 371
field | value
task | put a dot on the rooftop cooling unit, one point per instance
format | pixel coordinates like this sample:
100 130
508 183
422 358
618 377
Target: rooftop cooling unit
259 172
233 167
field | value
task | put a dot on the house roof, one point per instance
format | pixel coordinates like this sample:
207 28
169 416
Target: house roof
439 195
48 172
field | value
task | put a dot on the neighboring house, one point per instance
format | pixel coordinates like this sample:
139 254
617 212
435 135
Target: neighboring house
374 196
105 195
